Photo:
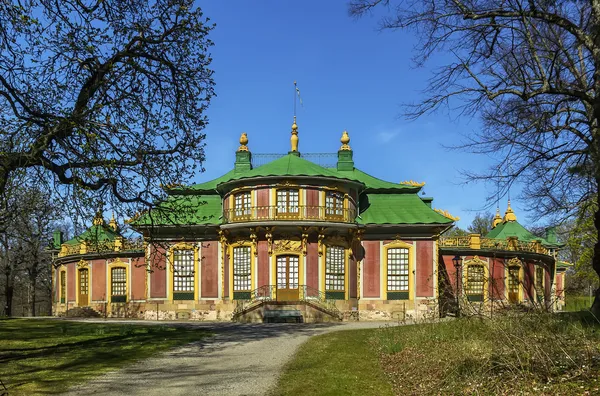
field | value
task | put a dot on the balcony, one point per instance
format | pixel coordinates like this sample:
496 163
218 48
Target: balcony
86 247
292 213
475 241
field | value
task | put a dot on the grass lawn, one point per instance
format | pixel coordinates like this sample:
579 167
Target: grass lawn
577 303
532 354
339 363
49 356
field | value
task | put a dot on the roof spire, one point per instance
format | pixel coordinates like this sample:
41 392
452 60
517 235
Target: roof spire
113 223
98 218
294 138
497 219
509 215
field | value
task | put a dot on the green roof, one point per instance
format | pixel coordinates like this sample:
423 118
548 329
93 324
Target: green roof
184 209
514 229
398 209
374 183
290 165
96 233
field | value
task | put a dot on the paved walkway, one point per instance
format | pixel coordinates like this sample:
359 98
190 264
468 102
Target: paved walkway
241 359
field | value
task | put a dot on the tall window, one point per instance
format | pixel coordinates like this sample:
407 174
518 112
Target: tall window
513 283
183 274
63 286
334 204
287 202
242 273
475 280
242 204
118 284
335 267
397 270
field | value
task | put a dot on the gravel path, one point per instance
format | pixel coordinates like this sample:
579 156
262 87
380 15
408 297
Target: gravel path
241 359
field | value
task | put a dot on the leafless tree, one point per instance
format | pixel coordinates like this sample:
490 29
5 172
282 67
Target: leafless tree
103 99
531 70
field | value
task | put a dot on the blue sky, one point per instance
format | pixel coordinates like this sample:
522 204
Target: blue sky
351 77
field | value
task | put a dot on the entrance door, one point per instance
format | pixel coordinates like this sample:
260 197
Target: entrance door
513 284
287 278
84 287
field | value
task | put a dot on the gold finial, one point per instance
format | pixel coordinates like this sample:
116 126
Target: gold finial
447 215
294 138
509 215
497 219
413 183
113 223
243 142
345 140
98 219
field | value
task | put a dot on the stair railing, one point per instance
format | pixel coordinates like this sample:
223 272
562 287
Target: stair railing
257 296
319 298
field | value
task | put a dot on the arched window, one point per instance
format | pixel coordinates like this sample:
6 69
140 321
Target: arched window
475 282
335 273
183 274
63 286
242 272
398 273
118 285
514 284
334 204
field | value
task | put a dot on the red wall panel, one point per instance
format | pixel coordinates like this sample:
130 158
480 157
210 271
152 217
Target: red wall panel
138 275
71 282
209 269
99 280
497 278
226 273
352 277
263 264
312 203
262 201
158 276
371 270
312 265
424 270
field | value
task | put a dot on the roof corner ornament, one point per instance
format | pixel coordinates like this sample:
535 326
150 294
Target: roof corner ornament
446 214
497 219
345 140
413 183
243 142
509 215
98 218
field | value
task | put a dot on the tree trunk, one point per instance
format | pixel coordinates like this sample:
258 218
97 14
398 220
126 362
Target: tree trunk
33 295
596 259
8 297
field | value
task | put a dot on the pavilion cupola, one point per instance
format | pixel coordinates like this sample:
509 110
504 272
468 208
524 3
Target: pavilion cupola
345 156
509 215
243 156
113 223
294 139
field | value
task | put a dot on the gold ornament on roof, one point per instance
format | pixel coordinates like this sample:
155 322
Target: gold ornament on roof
98 219
413 183
113 223
294 138
447 215
510 214
345 140
243 142
497 218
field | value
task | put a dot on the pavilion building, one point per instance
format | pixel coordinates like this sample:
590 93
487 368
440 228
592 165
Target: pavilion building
293 238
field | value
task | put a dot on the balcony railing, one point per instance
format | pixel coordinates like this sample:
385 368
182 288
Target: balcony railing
100 247
300 212
475 241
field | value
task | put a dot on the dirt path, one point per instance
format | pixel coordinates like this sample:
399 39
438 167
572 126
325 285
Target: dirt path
241 359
